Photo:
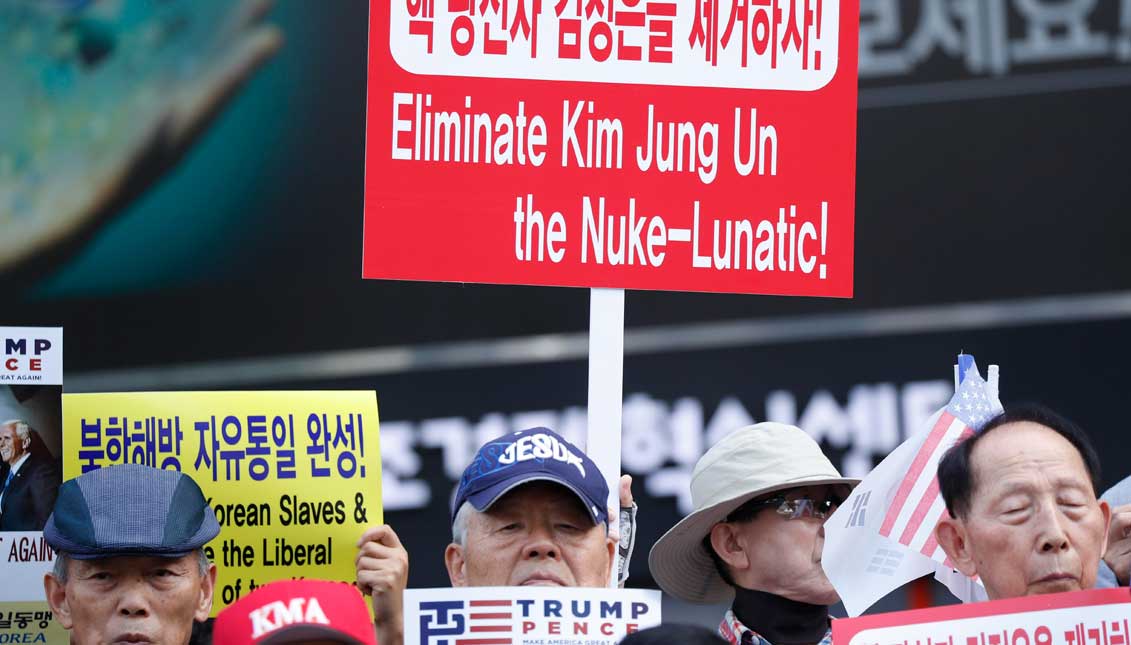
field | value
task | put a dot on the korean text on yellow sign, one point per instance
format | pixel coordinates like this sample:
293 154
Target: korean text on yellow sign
294 477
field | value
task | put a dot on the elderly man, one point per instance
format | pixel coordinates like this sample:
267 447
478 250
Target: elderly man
30 481
531 509
129 563
1022 507
761 497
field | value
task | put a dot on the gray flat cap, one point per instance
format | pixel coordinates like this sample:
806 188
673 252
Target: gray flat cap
130 510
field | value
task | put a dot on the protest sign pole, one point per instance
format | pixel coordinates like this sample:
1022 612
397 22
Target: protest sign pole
606 385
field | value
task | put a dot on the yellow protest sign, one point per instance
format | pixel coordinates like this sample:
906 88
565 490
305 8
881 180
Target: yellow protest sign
293 477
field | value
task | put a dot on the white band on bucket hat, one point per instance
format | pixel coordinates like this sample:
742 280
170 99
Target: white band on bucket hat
747 463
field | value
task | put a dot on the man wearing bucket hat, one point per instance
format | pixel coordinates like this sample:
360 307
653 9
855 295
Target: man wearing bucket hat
312 612
761 496
129 564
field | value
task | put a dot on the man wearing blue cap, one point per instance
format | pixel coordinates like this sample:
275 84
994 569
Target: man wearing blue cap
129 563
531 509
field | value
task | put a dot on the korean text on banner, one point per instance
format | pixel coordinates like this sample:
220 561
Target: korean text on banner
686 146
31 389
294 477
528 615
30 622
1093 617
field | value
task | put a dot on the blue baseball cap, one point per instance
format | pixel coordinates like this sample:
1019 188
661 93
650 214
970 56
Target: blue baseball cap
536 454
130 510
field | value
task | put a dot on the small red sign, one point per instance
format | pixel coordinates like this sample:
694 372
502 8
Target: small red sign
690 145
1092 617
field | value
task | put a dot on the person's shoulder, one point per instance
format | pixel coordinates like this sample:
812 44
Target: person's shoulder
1119 494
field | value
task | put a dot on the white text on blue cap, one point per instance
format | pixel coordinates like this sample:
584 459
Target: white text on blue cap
540 446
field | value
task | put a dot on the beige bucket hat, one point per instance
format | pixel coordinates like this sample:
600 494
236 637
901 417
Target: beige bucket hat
749 462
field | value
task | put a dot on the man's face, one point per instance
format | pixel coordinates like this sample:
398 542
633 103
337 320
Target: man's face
537 534
11 448
1034 525
132 599
783 556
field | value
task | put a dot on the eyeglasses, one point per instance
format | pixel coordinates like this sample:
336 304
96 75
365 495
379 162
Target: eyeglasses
790 509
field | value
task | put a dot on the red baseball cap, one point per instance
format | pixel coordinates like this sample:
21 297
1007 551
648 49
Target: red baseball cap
294 611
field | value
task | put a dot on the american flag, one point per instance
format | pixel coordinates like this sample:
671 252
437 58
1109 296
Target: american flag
472 622
918 506
489 623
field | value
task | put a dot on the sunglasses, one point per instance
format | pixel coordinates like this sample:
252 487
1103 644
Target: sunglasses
791 509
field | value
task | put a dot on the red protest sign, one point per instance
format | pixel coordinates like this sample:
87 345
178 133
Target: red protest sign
642 144
1093 617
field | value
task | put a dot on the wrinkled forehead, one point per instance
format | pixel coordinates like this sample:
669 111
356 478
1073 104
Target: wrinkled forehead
1016 452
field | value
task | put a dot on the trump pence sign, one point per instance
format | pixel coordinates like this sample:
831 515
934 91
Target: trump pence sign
690 145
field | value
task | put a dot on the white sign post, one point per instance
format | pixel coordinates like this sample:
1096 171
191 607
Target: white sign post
606 387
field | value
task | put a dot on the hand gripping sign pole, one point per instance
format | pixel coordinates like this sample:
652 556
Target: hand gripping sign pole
606 385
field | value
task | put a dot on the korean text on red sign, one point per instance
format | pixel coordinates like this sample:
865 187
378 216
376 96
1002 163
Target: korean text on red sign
691 145
1093 617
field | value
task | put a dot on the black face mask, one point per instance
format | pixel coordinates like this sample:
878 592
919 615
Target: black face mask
780 620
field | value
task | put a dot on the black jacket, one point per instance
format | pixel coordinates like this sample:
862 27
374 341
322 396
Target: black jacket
31 494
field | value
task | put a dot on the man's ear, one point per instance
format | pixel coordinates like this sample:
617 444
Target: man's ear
57 598
951 535
207 586
456 564
724 540
611 545
1105 508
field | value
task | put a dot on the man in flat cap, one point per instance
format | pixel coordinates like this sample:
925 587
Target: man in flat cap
129 559
761 497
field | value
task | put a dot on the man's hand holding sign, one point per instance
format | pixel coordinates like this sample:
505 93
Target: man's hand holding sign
1118 554
382 572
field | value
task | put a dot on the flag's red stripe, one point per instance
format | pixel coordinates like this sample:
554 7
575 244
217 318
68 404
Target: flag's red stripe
921 509
490 603
931 546
491 628
502 616
917 466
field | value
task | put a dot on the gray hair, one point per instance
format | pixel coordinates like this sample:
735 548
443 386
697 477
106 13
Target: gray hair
63 561
459 524
23 431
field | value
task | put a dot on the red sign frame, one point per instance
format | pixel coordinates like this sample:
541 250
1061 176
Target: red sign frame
774 213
